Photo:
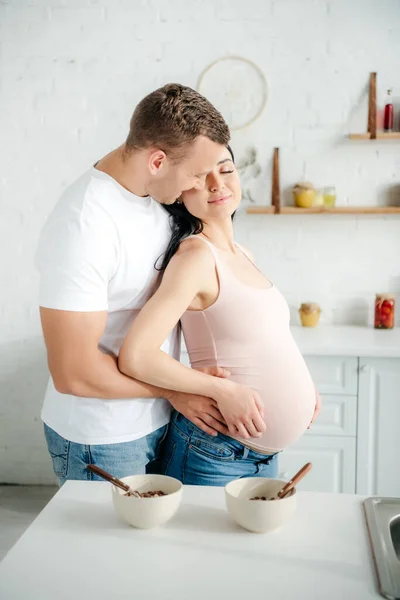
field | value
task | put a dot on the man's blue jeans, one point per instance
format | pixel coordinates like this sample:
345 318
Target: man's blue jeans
128 458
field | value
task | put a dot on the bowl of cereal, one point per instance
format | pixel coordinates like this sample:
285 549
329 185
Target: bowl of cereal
250 505
154 501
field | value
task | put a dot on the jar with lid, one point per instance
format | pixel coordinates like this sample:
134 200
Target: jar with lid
309 314
384 311
304 194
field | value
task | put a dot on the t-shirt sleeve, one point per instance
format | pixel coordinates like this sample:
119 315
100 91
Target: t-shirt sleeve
76 259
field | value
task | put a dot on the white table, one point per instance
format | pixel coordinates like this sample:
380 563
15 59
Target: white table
77 549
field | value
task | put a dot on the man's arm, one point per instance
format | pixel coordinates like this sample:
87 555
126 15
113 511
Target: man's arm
76 364
79 368
76 257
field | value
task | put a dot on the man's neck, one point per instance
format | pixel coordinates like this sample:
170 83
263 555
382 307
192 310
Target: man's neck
125 170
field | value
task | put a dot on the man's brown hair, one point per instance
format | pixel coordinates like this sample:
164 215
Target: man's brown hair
171 118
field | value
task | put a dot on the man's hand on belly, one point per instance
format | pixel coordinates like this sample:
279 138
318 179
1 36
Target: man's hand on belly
317 407
200 410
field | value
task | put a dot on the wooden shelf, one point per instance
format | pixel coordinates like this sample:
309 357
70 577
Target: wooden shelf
319 210
372 133
276 208
260 210
381 135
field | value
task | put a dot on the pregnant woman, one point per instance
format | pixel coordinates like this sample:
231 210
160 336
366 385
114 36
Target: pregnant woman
233 317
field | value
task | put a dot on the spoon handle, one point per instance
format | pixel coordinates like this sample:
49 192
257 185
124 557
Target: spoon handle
108 477
295 480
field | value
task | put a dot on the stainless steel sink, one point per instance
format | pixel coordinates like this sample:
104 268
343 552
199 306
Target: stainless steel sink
383 519
395 535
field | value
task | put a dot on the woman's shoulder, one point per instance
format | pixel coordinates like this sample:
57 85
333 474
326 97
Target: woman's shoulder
195 259
195 249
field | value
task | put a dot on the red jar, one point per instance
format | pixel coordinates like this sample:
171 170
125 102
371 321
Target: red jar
384 311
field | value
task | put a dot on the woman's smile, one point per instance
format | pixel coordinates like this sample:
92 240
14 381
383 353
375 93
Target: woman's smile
220 200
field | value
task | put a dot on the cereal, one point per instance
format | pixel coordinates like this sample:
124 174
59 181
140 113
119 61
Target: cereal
154 494
258 498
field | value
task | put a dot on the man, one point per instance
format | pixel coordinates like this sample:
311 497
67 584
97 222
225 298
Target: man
96 259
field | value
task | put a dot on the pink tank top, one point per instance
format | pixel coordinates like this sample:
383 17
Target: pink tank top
247 331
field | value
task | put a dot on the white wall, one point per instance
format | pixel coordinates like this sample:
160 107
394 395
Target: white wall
71 74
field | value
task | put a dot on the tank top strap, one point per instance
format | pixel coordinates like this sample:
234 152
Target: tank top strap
243 251
220 268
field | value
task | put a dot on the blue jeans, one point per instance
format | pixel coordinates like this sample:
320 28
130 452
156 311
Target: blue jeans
196 458
128 458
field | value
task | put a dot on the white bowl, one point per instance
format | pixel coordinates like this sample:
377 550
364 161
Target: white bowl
146 513
259 516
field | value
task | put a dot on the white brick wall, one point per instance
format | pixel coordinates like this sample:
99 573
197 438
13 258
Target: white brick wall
71 73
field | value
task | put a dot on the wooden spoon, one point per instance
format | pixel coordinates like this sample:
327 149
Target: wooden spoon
117 482
287 488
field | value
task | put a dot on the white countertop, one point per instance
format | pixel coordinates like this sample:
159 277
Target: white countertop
332 340
78 549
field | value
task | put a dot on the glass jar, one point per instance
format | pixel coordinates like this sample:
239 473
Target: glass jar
384 311
329 195
318 198
304 194
309 314
388 113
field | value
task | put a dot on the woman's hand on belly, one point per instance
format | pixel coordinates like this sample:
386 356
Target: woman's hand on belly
241 407
317 407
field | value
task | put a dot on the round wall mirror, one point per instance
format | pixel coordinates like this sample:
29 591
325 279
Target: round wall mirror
238 89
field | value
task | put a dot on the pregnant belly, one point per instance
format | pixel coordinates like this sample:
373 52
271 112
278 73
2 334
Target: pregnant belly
288 394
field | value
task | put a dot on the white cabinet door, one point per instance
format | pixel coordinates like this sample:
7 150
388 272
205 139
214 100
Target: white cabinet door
333 460
334 374
338 416
378 445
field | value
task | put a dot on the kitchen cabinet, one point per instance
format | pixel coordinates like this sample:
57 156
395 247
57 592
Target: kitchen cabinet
378 428
356 443
334 374
338 416
331 442
333 459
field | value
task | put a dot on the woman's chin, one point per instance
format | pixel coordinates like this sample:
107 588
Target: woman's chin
221 209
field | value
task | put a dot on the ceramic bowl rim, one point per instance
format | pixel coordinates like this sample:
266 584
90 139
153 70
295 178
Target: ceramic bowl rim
260 480
121 493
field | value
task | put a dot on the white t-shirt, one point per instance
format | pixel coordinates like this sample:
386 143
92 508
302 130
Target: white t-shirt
97 252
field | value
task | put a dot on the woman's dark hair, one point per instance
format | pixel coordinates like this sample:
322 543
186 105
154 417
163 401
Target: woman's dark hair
183 225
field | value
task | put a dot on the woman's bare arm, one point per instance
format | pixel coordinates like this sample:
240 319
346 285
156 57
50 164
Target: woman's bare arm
140 356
